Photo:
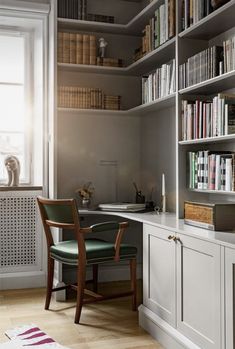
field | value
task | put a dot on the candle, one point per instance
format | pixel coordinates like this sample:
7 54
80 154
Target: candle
163 185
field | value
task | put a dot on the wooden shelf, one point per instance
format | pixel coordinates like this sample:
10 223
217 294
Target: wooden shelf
212 191
133 27
143 65
208 87
215 23
218 139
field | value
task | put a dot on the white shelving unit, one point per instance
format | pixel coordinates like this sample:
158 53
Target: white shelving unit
140 143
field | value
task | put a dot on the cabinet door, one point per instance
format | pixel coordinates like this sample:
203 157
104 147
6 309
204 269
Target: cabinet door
198 291
159 272
230 297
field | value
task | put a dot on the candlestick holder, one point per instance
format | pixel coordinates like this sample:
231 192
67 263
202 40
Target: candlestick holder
163 203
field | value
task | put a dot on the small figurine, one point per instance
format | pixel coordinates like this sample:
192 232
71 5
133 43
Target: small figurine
102 45
12 165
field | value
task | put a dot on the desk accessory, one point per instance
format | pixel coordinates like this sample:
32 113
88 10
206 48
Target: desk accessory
139 197
213 216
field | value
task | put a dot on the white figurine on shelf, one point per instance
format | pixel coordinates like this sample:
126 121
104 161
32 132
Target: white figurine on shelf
102 46
12 165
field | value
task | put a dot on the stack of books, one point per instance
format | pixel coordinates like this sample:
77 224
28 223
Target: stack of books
211 118
77 48
160 83
109 62
202 66
86 98
211 170
160 28
112 102
193 11
77 9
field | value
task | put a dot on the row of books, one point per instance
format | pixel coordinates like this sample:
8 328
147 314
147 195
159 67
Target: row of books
193 11
76 48
77 9
210 118
74 9
229 54
211 170
160 83
202 66
160 28
207 64
86 98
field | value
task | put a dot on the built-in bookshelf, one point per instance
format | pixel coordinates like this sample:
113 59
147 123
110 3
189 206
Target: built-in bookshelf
136 77
141 141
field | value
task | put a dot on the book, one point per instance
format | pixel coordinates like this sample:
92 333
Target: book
122 206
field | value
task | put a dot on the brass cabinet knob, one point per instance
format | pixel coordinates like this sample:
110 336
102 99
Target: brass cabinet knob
176 239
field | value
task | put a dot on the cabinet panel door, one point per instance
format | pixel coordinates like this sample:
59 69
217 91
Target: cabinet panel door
198 291
159 273
230 297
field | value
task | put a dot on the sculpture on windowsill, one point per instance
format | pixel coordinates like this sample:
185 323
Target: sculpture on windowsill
12 165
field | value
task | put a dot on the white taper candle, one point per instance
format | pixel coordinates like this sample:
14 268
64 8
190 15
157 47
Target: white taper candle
163 185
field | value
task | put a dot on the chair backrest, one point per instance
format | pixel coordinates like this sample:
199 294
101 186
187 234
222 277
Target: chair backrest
60 213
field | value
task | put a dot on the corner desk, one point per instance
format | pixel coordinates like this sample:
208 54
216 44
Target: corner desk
188 282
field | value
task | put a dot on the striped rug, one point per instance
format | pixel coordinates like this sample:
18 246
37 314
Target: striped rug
29 336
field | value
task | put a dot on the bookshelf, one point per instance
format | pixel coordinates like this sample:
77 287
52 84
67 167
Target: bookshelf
114 148
123 37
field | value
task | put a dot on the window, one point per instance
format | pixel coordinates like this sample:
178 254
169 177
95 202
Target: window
15 102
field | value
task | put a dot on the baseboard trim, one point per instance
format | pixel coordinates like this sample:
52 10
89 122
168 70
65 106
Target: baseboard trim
20 280
165 334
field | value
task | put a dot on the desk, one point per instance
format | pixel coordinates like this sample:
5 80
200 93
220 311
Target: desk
188 282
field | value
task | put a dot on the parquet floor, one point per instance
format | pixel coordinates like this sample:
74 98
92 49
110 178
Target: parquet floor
105 325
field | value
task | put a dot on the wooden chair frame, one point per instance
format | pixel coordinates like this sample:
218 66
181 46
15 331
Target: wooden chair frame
82 262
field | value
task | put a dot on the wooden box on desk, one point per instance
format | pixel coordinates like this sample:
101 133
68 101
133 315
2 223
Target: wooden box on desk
213 216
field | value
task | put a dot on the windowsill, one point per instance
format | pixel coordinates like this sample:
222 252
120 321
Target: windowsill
19 188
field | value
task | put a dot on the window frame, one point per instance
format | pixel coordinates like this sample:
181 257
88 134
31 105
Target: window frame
28 86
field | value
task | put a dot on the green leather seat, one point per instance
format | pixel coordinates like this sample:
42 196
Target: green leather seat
97 251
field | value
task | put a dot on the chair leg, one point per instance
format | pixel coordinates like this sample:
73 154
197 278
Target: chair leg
50 276
133 282
81 280
95 277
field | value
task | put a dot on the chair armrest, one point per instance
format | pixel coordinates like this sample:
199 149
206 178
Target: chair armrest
122 227
105 226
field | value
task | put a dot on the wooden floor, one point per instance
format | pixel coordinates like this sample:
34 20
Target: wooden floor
105 325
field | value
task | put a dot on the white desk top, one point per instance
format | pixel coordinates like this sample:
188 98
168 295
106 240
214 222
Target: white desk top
169 222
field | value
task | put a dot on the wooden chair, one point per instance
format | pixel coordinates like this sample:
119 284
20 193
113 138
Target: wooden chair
82 252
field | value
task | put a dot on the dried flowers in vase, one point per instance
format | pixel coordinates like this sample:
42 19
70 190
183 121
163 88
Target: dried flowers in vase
86 193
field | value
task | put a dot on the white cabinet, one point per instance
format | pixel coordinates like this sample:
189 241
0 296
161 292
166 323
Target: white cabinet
159 273
229 297
198 291
182 285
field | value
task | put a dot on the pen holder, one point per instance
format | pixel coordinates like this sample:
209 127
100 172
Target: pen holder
139 198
